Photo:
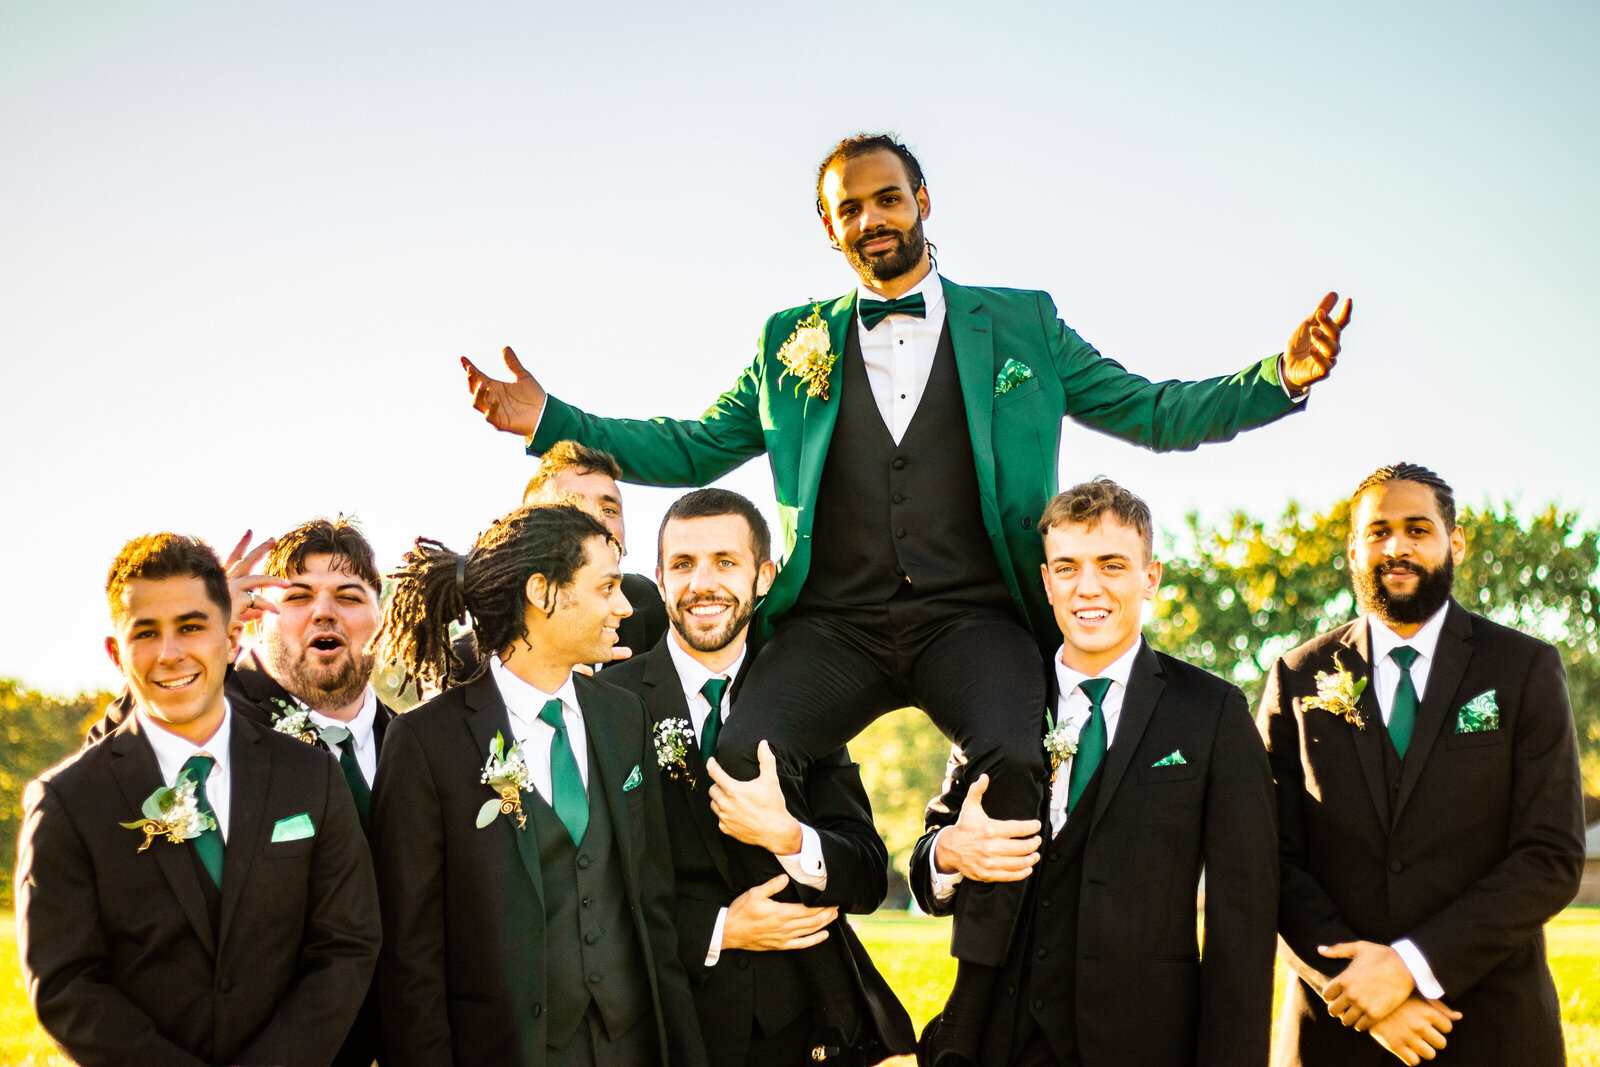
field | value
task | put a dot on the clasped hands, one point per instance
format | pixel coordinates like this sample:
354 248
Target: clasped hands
1376 994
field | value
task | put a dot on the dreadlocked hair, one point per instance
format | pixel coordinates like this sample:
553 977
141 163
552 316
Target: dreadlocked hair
436 586
1412 472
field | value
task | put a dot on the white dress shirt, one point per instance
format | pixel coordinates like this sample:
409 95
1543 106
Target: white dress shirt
362 735
1386 676
1072 707
172 752
899 351
523 703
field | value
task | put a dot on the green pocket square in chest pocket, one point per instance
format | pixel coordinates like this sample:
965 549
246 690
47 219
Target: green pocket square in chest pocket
1478 715
293 828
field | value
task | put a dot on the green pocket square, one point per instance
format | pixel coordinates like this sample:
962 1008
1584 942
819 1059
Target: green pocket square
635 779
294 828
1011 375
1174 760
1478 714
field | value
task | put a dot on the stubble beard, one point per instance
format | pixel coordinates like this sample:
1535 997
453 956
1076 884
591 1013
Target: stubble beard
718 639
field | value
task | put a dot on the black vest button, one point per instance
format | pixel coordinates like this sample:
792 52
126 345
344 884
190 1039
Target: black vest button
1038 1005
744 963
899 531
899 463
583 863
1395 866
1042 953
538 1010
590 938
1053 855
898 498
1044 903
594 977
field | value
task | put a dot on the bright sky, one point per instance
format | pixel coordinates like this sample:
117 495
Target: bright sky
244 243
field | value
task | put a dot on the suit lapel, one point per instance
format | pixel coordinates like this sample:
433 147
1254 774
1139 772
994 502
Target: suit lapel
486 717
1450 659
663 697
818 416
250 766
1369 741
614 752
1138 704
138 775
973 341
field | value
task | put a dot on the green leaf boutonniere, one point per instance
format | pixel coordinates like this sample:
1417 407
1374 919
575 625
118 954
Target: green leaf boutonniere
173 813
507 774
1061 742
1337 692
808 355
294 720
673 738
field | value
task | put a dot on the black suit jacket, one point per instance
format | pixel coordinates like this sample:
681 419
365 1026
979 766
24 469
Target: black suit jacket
1144 994
707 874
463 976
122 964
1475 846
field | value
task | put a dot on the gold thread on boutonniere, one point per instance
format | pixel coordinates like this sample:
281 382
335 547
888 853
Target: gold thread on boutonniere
1337 693
673 738
808 355
1060 741
174 813
507 774
294 720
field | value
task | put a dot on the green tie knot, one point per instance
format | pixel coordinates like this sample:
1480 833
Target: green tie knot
1404 655
550 715
712 691
208 846
1095 689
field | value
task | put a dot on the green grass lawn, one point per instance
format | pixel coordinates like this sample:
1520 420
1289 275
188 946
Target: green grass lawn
912 952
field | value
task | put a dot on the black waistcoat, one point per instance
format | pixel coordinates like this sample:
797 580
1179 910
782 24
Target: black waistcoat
591 950
900 519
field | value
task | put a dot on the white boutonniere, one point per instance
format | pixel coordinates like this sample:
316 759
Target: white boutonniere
1061 741
294 720
673 738
808 355
507 774
1337 692
173 813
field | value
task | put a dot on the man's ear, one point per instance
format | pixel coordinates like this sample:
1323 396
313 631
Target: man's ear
114 652
833 238
235 629
537 590
1458 546
1044 576
1153 575
765 576
924 205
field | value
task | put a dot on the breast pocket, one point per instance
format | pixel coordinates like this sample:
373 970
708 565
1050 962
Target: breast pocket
1017 394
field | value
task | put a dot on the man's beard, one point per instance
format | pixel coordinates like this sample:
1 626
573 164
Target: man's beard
886 266
722 636
319 689
1418 606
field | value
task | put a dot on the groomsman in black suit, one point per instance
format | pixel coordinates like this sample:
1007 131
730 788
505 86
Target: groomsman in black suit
194 887
714 565
517 818
1429 806
1156 774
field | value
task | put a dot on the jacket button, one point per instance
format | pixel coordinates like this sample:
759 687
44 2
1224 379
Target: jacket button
583 863
225 986
1052 856
538 1010
590 938
1027 522
1041 953
899 531
1395 866
1038 1005
594 977
898 498
1045 903
744 963
899 463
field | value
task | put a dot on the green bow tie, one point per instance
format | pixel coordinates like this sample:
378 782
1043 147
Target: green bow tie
875 311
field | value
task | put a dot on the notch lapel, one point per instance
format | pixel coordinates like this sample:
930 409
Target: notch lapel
487 716
1450 658
1368 742
1138 704
972 339
138 775
613 756
663 698
818 416
250 766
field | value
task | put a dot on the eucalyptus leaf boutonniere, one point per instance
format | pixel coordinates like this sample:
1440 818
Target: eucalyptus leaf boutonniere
1337 693
507 774
1060 742
673 738
808 355
174 813
294 720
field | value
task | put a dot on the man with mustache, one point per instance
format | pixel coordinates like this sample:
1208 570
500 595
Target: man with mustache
913 427
1430 815
736 942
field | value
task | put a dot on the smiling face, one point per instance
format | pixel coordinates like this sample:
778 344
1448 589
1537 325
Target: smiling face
583 627
1097 579
710 580
173 645
875 218
316 644
1402 557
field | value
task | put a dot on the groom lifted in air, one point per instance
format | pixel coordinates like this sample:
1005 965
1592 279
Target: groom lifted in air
913 426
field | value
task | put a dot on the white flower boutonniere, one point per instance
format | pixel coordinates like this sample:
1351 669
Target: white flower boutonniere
1061 742
808 355
1337 693
294 720
173 813
507 774
673 738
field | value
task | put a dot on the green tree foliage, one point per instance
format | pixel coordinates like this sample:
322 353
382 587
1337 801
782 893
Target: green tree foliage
36 732
1237 595
902 757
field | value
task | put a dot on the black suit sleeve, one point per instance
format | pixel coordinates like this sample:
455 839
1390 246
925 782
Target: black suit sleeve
943 810
62 948
856 858
1241 869
338 944
1543 863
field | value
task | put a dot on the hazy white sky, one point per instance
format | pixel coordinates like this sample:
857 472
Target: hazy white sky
242 244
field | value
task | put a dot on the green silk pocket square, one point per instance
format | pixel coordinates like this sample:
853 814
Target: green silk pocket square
294 828
1478 714
1174 760
1011 375
635 779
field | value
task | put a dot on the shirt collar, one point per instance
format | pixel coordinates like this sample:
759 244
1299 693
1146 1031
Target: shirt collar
1425 640
1067 678
931 287
361 726
172 751
692 674
525 700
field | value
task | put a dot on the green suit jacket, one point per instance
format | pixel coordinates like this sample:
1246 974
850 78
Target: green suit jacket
1016 435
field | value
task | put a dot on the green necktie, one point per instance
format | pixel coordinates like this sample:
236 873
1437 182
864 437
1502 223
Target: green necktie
208 846
566 784
338 735
1403 716
1091 742
875 311
712 691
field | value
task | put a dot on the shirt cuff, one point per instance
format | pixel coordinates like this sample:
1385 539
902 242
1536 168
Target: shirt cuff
943 885
714 950
1283 383
1421 973
807 866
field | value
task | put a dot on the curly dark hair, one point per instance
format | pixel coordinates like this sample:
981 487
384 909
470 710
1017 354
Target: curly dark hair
339 538
860 145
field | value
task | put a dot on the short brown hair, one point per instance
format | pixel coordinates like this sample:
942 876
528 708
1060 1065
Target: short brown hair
158 556
570 456
1089 503
338 537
